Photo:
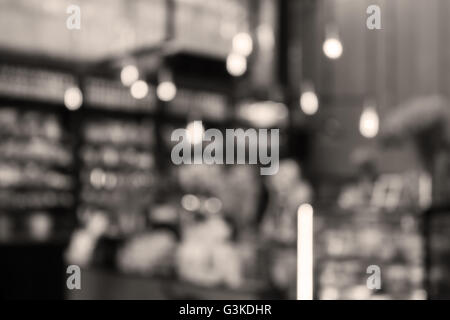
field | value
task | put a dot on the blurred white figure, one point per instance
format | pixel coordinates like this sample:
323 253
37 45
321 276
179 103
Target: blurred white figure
207 257
83 242
147 253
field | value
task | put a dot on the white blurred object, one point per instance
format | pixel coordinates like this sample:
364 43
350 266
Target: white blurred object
309 103
73 98
425 190
332 46
81 248
166 214
359 293
243 44
129 75
190 202
236 64
305 252
329 293
195 132
146 253
98 224
369 122
213 205
166 91
83 241
139 89
206 257
40 225
264 114
265 36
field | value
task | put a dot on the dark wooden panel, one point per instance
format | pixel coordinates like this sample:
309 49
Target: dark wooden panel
426 30
350 69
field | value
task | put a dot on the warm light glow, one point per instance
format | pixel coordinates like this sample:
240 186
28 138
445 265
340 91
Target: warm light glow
129 75
369 122
73 98
190 202
264 114
195 132
265 36
213 205
139 89
332 47
236 64
243 44
166 91
305 252
40 226
309 102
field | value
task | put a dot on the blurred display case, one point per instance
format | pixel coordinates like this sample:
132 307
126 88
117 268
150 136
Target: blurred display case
437 233
118 172
111 95
348 242
37 180
36 170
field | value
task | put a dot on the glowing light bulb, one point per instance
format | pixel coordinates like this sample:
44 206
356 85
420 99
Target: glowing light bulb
139 89
166 91
129 75
190 202
195 132
40 225
243 44
332 47
305 252
369 122
213 205
236 64
309 103
73 98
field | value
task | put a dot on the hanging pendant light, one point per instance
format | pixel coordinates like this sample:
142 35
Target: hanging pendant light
166 90
129 75
236 64
309 103
243 44
369 122
73 98
332 46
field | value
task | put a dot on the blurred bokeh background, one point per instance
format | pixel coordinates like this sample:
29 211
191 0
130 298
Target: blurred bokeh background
86 176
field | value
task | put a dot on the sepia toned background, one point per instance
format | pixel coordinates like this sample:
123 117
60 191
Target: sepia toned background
86 177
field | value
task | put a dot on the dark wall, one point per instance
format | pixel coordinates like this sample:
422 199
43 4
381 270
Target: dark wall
407 58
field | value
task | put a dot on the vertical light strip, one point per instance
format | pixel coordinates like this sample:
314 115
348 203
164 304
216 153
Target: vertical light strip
305 252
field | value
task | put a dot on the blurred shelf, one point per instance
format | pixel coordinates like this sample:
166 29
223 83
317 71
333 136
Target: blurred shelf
24 241
41 105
